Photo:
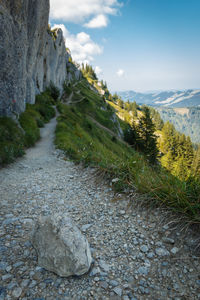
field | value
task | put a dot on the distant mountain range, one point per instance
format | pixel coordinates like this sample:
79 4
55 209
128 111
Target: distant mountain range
187 98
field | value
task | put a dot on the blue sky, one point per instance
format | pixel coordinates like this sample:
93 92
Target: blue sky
137 45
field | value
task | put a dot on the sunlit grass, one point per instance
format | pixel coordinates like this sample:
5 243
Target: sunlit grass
83 141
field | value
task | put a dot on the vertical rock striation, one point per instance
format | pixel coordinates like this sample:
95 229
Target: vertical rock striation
30 55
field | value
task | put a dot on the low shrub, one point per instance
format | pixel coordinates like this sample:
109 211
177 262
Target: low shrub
67 89
43 105
29 124
53 91
11 141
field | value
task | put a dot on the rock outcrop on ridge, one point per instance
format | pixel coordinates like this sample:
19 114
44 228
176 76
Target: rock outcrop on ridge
31 56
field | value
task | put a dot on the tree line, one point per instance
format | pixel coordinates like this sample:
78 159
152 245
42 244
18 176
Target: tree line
160 142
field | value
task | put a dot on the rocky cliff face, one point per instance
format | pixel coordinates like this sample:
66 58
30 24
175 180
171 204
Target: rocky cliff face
30 55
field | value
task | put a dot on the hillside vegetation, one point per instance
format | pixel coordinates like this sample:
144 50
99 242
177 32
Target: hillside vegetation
88 132
185 120
16 136
129 150
176 152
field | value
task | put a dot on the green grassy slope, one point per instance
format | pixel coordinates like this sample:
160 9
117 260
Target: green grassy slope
84 141
81 137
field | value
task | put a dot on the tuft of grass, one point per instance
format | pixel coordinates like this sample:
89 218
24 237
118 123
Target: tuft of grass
84 141
67 89
43 105
11 141
53 91
29 124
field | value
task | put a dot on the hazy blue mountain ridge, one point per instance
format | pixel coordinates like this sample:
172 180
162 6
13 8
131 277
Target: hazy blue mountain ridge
186 98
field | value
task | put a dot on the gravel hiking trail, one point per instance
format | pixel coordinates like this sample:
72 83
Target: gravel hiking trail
136 256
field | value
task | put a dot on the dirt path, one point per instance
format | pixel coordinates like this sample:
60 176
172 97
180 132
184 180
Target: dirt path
107 130
136 257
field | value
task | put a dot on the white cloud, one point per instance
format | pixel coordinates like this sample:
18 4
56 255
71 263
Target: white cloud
120 73
83 38
82 47
97 22
80 11
98 70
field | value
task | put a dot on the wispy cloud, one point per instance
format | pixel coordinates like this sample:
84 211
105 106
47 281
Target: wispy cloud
92 13
97 22
120 73
82 47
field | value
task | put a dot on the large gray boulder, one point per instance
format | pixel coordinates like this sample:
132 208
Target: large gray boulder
60 246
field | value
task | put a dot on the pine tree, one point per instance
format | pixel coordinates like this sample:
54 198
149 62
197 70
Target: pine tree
115 97
158 121
127 106
189 152
134 107
167 161
177 152
120 103
148 140
184 157
168 146
180 169
88 71
169 140
196 164
131 136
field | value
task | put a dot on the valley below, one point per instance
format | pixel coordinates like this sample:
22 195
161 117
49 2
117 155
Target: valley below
181 108
186 120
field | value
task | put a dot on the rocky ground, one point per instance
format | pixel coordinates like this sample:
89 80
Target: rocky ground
136 256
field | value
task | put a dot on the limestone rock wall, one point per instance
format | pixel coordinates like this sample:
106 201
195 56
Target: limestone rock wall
30 57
